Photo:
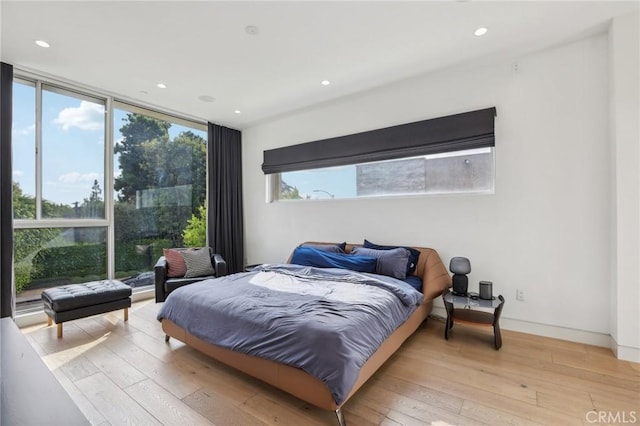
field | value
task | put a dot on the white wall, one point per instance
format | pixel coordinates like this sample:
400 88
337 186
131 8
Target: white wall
625 145
547 228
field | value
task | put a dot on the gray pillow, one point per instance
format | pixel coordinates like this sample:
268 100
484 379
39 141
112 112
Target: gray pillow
331 248
198 263
390 262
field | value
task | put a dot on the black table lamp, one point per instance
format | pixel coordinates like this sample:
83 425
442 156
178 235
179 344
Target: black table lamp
460 266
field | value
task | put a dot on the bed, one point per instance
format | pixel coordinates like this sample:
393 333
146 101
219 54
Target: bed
202 316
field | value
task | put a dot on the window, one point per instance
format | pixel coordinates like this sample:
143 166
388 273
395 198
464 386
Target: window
23 136
468 171
73 129
451 154
91 203
61 174
159 189
58 139
47 257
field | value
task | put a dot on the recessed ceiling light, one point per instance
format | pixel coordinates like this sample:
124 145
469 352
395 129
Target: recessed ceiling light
325 82
42 43
161 85
481 31
237 111
251 30
206 98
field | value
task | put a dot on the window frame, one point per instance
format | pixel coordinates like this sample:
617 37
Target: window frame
272 183
39 221
111 101
448 134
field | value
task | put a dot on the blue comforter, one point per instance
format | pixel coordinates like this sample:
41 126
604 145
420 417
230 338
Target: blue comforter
327 322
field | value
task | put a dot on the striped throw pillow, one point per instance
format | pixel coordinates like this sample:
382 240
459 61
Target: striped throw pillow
176 267
198 263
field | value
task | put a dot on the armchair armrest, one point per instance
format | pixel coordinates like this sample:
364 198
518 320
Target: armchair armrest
164 284
160 278
219 265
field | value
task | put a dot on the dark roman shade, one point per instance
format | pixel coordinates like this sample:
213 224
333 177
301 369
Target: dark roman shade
457 132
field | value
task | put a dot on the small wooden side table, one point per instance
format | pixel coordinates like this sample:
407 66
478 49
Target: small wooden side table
468 313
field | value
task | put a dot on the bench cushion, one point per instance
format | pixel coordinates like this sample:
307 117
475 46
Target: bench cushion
75 296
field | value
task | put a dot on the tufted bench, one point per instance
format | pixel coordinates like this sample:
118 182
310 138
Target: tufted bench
75 301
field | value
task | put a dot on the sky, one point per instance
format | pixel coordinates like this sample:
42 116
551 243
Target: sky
330 182
73 138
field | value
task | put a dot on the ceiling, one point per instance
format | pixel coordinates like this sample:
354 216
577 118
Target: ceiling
203 48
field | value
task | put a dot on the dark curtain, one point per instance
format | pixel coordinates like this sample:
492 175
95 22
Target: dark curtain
6 208
467 130
225 221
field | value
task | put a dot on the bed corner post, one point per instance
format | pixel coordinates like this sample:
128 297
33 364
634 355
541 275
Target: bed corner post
340 417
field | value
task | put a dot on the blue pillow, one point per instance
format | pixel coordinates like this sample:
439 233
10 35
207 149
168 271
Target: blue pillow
413 256
414 282
309 256
392 263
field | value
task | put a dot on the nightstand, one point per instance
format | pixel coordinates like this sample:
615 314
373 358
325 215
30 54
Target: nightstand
464 309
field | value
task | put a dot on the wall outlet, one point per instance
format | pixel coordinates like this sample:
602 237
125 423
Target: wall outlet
520 295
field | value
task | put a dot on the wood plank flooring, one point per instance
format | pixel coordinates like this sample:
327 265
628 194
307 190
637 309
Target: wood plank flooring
124 373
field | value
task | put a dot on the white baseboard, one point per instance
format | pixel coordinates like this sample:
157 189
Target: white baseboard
625 353
556 332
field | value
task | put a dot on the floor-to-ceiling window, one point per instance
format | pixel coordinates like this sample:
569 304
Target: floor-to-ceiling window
159 189
99 188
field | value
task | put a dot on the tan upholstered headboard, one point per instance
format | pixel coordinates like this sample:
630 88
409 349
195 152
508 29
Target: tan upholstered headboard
434 275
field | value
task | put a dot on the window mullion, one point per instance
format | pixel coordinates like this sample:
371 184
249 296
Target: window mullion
38 149
108 187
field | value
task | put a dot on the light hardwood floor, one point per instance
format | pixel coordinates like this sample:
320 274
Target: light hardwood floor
124 373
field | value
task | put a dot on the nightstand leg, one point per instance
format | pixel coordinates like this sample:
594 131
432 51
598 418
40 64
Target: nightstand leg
447 326
497 336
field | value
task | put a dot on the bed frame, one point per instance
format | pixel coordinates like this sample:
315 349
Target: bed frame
435 279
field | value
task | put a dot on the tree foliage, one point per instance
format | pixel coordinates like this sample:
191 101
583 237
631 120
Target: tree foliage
195 234
27 242
162 180
24 206
137 130
178 163
288 192
93 206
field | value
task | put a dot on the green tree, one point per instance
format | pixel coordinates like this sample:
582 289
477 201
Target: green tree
24 206
93 206
162 182
288 192
137 130
27 242
179 164
195 234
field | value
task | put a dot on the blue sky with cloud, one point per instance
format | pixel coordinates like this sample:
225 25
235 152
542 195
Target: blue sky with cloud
73 138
